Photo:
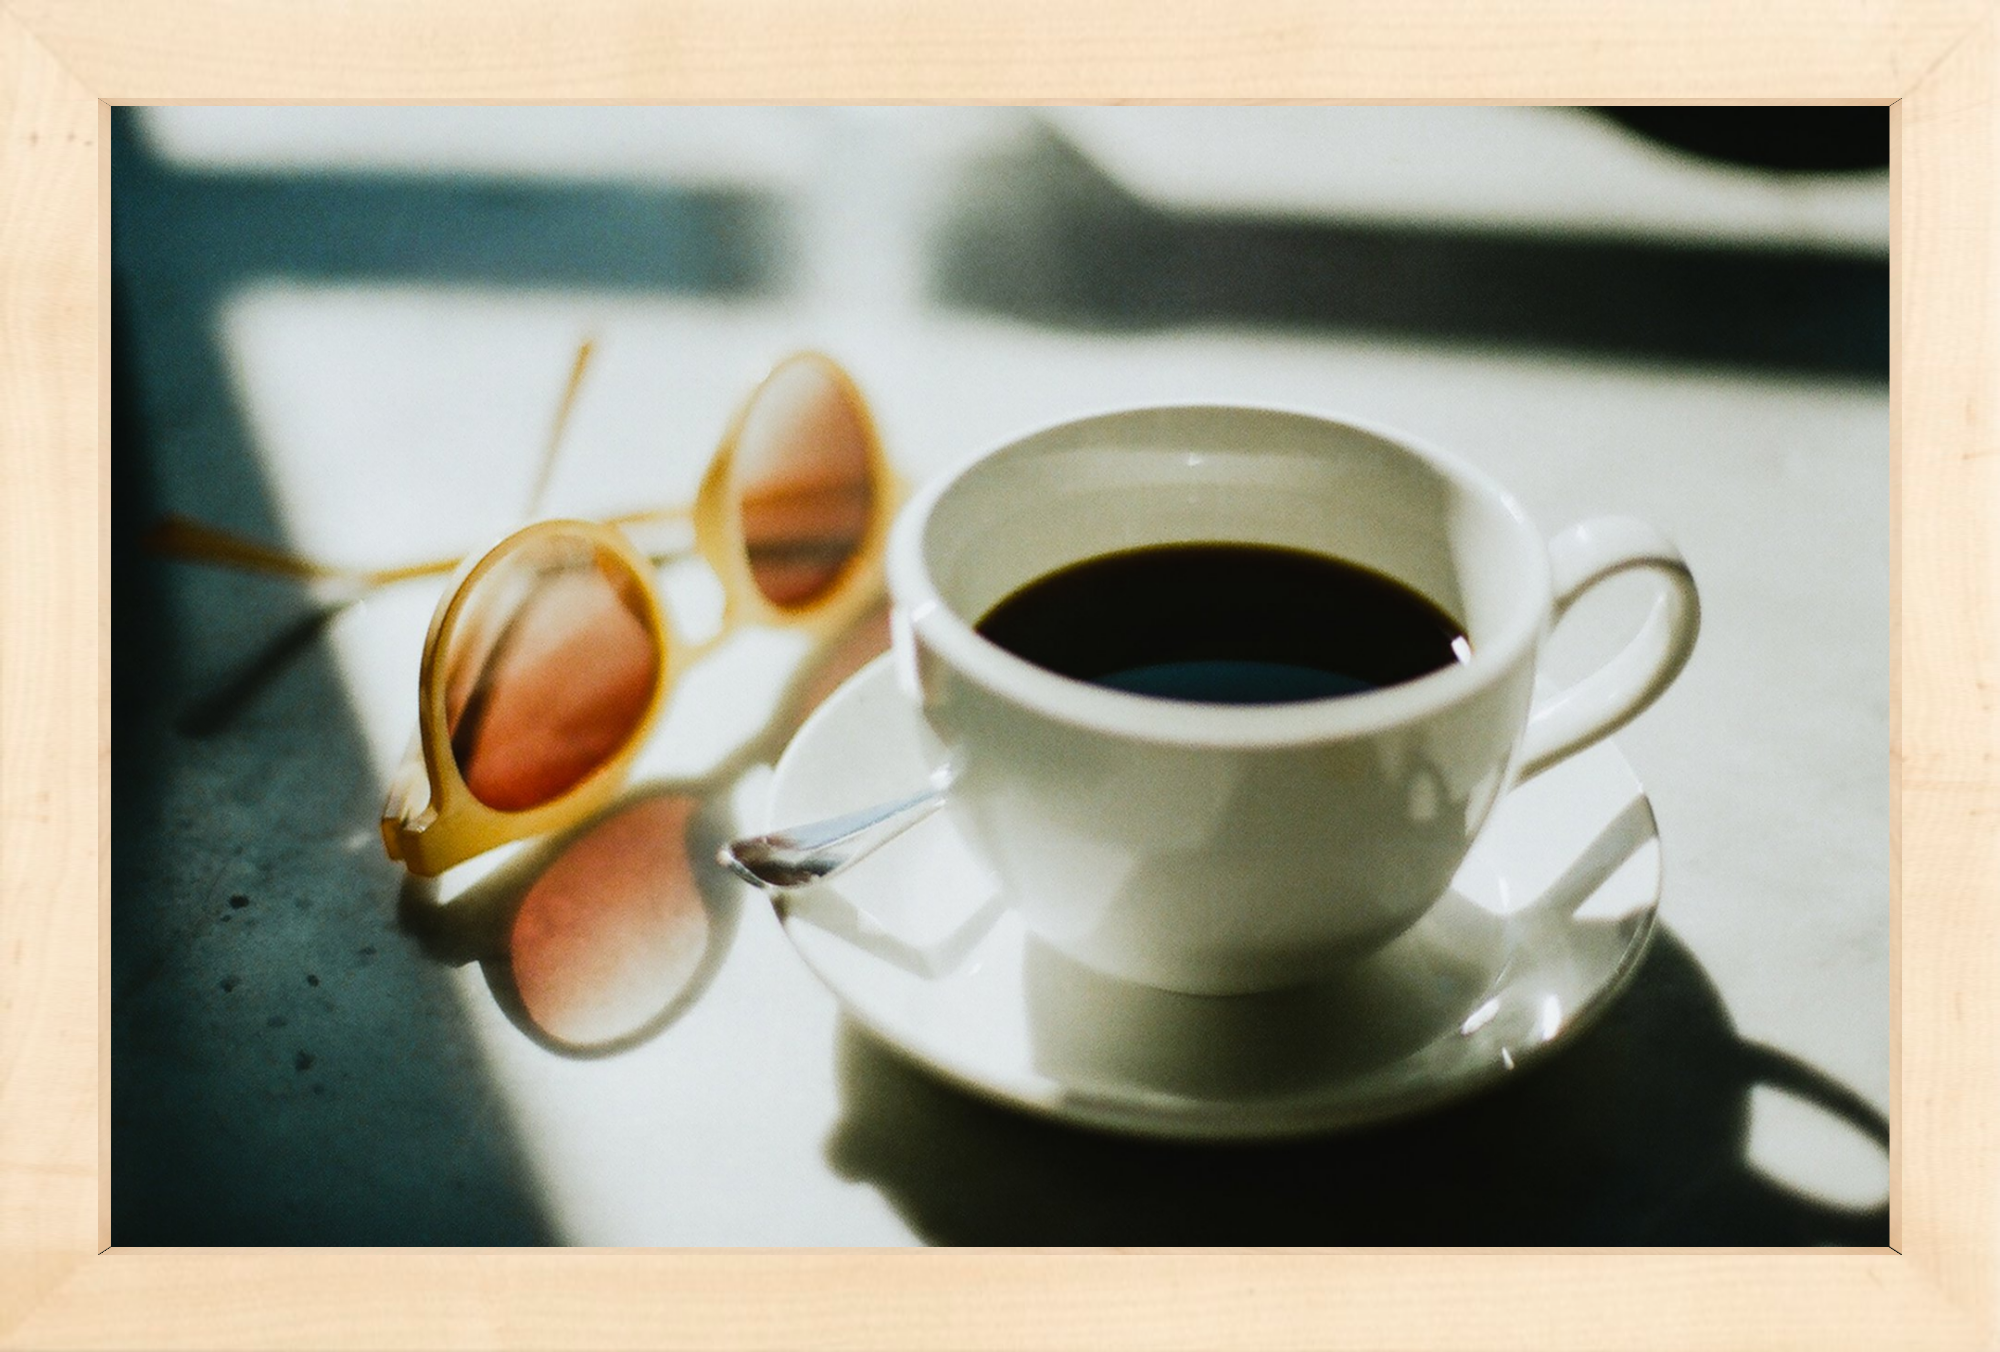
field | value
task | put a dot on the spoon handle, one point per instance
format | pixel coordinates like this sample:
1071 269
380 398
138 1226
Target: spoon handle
803 855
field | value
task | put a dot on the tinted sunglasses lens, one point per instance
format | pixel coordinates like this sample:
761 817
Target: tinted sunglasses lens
549 671
805 488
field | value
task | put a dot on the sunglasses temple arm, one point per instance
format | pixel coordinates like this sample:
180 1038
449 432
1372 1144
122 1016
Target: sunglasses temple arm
651 515
180 537
553 448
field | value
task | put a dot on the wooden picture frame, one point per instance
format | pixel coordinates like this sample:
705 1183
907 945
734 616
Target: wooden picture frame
64 62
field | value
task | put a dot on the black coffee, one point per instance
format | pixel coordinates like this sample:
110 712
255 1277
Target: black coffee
1226 624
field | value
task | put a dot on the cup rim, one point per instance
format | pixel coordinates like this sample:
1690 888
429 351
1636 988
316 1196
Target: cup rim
929 618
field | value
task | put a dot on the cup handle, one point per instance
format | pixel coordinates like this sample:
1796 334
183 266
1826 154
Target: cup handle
1616 693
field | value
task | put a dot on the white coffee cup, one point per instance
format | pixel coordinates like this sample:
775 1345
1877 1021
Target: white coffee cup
1225 848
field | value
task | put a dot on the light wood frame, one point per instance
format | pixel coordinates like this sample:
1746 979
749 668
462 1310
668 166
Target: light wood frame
62 62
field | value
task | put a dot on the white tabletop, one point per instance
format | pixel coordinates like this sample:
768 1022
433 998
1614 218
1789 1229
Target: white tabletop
396 411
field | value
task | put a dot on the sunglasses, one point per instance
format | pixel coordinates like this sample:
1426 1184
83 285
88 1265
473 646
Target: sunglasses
550 657
594 938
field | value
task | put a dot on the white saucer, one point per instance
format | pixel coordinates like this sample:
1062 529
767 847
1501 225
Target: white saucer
1544 924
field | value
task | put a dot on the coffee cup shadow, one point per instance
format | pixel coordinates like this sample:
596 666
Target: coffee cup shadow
1208 1049
1637 1133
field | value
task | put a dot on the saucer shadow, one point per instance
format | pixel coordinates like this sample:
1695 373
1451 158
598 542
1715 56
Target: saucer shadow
1636 1134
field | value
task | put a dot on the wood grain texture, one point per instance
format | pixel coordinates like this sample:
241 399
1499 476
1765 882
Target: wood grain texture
58 57
1950 674
49 653
1001 1299
1024 50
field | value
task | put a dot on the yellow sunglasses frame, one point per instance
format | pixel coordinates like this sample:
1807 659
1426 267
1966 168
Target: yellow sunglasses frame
454 825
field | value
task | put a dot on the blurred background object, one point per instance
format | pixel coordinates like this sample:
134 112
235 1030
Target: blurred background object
1844 140
1418 228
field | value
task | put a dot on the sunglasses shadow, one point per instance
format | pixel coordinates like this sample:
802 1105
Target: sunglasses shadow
215 711
595 940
